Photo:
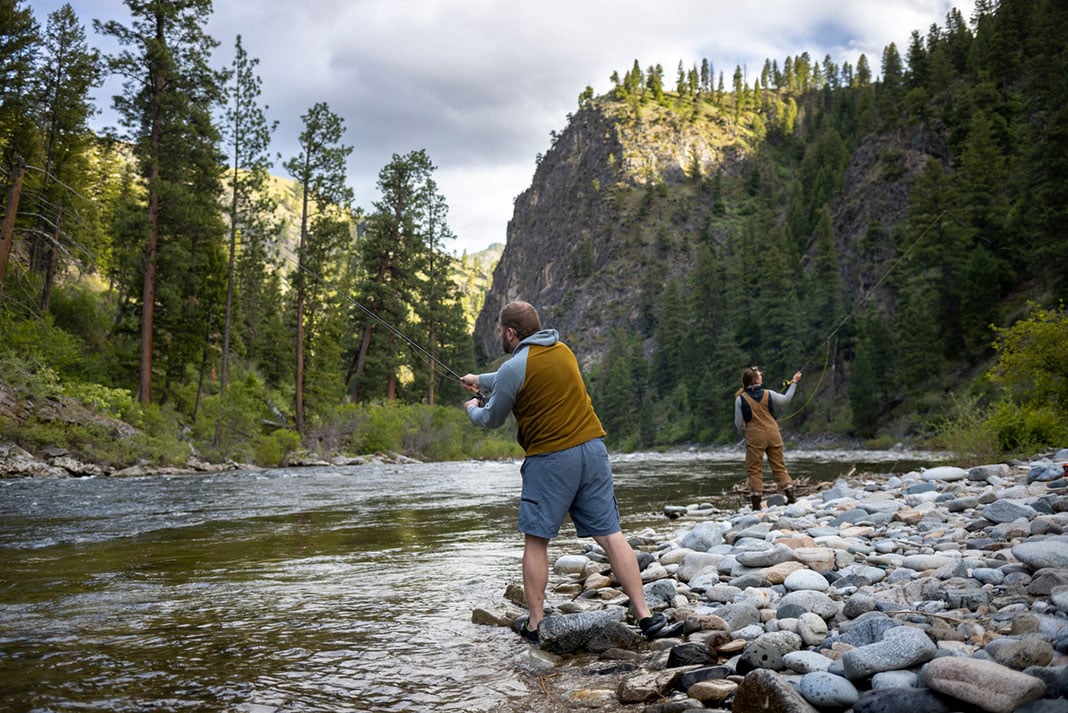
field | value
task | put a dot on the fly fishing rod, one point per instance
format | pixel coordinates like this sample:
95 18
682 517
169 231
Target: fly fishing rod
377 318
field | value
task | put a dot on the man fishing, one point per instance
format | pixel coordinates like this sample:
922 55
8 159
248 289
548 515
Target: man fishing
566 469
754 411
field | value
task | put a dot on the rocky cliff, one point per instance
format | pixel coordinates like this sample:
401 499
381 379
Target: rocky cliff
625 194
580 243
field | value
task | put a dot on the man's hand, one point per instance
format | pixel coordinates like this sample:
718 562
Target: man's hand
472 402
469 382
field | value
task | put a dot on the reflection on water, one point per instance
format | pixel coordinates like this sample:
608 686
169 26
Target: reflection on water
320 589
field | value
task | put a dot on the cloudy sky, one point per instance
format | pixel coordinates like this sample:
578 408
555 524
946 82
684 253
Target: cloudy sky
480 84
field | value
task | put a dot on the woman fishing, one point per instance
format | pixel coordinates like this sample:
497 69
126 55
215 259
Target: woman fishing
754 411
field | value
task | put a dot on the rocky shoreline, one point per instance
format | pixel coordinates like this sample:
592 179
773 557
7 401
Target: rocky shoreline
59 463
943 590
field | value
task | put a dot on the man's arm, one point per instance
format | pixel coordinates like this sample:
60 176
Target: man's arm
502 388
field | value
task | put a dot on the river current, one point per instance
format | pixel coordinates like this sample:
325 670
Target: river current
313 589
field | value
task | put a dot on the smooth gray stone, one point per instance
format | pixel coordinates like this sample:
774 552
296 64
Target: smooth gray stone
921 563
901 647
1003 511
896 679
704 536
738 616
1055 677
1023 653
1044 473
567 633
806 661
1045 552
851 517
858 604
660 594
985 472
867 629
901 700
694 563
806 600
777 554
825 690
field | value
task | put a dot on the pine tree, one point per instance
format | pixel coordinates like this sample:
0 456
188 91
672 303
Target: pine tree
166 107
891 89
319 169
1045 191
251 205
438 302
669 365
618 394
873 374
19 45
390 258
69 71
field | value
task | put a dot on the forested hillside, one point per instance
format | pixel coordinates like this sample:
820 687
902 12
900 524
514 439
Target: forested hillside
164 276
875 226
898 233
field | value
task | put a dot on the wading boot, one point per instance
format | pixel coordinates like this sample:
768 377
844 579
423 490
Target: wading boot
791 496
754 499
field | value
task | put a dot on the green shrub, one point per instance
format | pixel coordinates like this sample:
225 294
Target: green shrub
1032 367
37 343
1024 430
229 424
275 448
384 430
118 403
963 430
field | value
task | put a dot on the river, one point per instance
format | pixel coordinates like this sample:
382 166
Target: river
298 590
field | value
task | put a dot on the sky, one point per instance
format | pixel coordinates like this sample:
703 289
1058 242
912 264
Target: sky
481 84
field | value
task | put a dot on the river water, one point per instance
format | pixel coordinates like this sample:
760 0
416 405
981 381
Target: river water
313 589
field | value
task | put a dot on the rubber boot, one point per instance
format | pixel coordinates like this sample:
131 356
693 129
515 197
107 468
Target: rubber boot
791 496
754 499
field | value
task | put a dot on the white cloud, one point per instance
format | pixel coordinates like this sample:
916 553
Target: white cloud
480 84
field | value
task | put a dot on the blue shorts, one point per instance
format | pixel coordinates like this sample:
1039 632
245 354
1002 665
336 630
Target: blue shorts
575 481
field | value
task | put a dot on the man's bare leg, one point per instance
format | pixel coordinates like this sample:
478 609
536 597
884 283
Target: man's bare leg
625 567
536 577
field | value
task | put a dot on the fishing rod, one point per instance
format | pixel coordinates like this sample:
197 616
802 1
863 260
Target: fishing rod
854 311
393 329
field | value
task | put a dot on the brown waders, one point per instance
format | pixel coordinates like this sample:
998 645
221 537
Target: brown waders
762 436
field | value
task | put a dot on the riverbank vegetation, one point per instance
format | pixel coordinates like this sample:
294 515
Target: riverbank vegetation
162 295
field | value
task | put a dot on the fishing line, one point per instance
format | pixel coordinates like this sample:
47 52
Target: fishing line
856 308
394 330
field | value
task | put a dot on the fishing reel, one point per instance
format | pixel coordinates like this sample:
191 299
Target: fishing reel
786 384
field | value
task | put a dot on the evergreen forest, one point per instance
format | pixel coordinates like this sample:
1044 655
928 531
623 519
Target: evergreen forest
897 233
163 277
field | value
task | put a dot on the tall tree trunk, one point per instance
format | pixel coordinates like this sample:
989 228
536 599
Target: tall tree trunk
361 360
224 374
52 256
299 409
14 192
148 291
433 376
